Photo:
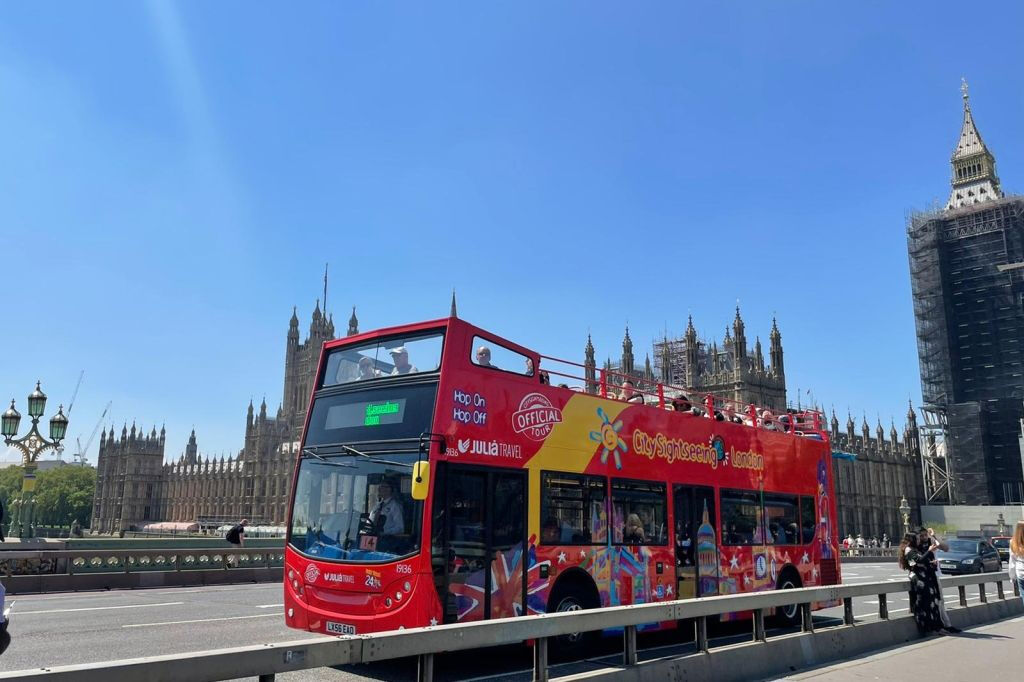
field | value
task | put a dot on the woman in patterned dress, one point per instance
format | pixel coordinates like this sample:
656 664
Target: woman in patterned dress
924 583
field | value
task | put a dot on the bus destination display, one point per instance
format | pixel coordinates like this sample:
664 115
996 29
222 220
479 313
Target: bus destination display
374 413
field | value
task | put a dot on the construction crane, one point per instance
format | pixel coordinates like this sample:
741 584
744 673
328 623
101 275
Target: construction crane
79 456
71 405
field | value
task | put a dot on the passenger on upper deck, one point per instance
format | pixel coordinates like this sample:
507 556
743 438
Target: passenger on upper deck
483 357
731 416
630 394
400 356
366 370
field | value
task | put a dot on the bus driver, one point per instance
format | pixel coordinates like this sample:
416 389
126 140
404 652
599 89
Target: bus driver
393 522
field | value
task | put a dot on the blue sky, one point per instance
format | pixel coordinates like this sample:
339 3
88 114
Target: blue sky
174 177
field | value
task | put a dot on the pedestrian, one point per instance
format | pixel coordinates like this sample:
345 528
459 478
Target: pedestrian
924 587
926 538
1015 564
2 521
885 540
236 536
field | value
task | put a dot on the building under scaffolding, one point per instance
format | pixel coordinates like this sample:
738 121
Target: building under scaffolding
969 314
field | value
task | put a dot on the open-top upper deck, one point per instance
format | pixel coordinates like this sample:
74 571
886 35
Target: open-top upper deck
449 345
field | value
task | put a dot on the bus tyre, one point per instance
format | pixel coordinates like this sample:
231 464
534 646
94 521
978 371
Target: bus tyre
566 598
788 615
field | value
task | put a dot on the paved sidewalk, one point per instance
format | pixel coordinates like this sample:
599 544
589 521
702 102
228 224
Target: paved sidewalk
993 648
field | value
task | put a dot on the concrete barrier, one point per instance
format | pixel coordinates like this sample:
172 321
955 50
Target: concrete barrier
786 654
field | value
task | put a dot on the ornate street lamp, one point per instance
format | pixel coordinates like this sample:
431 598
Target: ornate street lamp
1002 524
905 512
31 446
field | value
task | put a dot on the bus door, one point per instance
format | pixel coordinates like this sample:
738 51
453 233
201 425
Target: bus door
484 530
696 541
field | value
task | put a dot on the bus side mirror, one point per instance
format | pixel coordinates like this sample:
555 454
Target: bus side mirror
420 480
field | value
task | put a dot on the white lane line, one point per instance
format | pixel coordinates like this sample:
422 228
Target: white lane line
202 620
269 606
106 594
103 608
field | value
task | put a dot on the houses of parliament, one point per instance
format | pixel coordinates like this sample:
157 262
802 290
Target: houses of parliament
136 486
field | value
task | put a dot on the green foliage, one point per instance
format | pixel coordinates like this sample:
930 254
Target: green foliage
62 494
10 485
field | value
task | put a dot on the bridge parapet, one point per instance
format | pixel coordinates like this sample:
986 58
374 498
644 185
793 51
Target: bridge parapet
82 569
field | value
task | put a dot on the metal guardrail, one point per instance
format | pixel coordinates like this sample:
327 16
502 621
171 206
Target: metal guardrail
90 561
264 661
881 552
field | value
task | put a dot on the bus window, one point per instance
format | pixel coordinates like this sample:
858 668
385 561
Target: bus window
782 517
741 516
638 513
383 358
356 509
573 509
808 523
495 356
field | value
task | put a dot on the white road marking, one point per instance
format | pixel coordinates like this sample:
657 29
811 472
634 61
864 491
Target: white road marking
268 606
103 608
202 620
100 594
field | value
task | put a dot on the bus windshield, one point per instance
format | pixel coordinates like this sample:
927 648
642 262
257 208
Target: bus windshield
356 508
394 356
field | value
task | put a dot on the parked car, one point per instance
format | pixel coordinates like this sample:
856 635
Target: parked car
1002 545
969 556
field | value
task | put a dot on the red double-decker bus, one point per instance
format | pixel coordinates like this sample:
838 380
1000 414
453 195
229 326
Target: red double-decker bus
447 474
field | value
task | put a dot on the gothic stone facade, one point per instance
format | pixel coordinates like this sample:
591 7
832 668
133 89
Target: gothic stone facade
134 485
733 371
870 487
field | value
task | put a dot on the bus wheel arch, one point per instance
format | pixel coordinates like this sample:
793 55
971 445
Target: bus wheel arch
789 579
573 584
574 590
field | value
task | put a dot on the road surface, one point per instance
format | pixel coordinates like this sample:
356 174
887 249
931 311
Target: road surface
85 627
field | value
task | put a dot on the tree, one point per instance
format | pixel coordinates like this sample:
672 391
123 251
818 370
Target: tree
10 487
64 494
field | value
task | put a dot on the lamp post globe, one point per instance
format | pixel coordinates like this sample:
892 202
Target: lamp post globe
36 402
58 425
9 422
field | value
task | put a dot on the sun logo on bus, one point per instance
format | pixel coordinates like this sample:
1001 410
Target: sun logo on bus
609 438
719 447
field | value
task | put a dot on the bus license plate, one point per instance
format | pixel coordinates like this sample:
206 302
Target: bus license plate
340 628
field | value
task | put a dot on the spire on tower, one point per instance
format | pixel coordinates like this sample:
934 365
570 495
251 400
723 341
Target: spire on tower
626 366
974 167
454 310
590 366
353 323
